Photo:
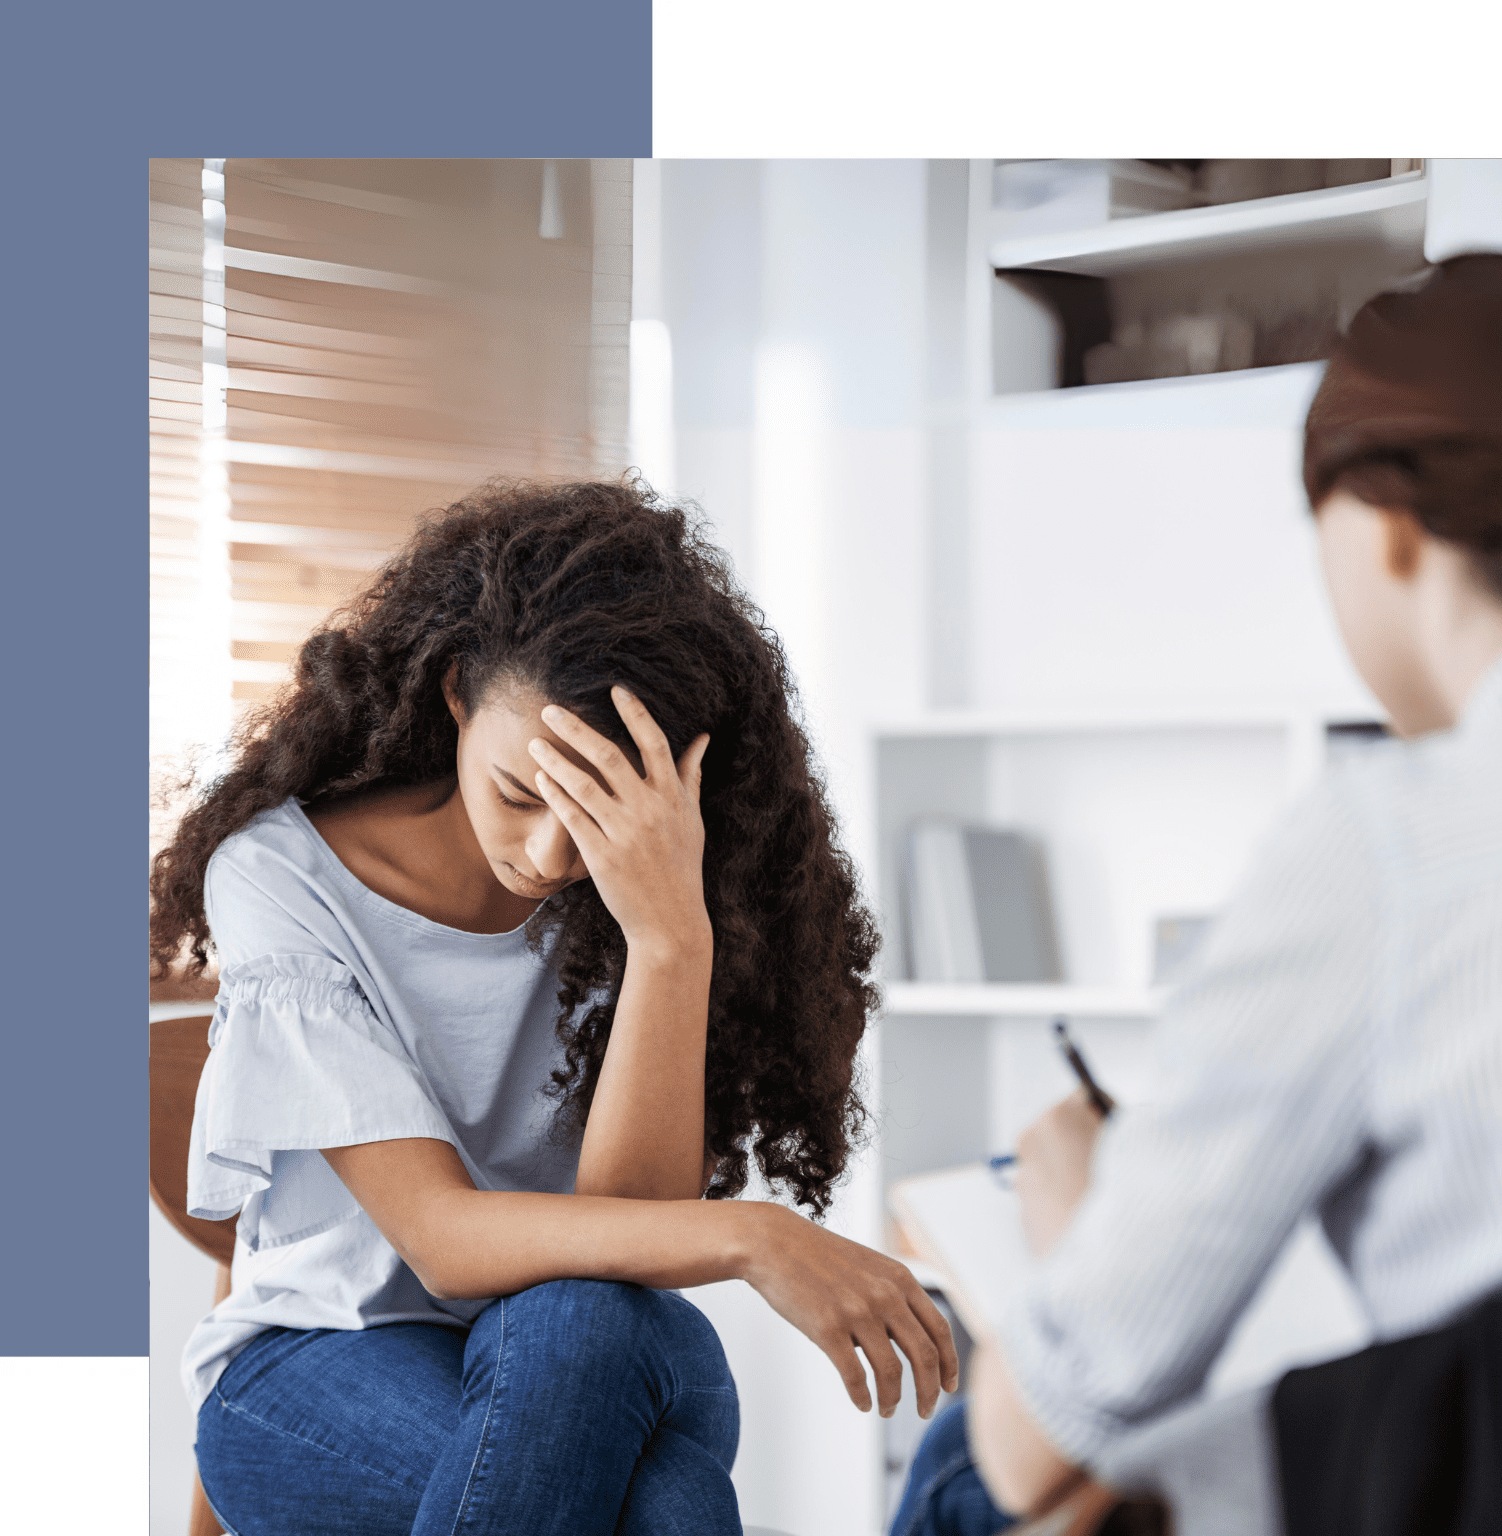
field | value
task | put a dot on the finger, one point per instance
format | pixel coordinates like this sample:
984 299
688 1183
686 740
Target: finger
885 1366
651 742
923 1356
690 765
841 1351
618 771
582 787
588 838
938 1330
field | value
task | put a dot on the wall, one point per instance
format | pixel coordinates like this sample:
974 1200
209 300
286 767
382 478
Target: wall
182 1290
794 295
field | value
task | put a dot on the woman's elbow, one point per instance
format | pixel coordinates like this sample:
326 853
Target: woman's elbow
439 1289
439 1271
435 1277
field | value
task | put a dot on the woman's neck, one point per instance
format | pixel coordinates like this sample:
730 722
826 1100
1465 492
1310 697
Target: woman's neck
415 846
1458 630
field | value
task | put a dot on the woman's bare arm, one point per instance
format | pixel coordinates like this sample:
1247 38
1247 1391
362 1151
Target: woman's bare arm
465 1242
642 838
645 1134
1018 1463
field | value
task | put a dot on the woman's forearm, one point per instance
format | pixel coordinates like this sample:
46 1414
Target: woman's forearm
463 1242
467 1243
477 1243
1018 1464
645 1136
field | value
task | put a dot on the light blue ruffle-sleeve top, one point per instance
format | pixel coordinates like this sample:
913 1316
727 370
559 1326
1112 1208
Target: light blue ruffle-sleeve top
343 1018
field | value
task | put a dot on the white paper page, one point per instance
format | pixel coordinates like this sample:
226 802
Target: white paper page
967 1226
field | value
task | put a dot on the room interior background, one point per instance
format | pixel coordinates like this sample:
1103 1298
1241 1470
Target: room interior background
1008 452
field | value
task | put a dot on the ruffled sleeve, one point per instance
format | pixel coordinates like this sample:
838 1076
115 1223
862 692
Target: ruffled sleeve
299 1060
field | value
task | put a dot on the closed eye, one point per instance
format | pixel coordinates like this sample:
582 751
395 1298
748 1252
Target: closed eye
534 803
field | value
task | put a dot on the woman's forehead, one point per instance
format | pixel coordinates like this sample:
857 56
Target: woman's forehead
511 717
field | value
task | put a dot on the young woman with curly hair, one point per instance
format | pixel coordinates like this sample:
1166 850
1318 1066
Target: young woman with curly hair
532 929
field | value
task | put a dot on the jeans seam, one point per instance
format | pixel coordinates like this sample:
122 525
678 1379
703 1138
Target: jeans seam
935 1480
495 1386
291 1434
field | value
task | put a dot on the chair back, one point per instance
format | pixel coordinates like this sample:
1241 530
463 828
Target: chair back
179 1049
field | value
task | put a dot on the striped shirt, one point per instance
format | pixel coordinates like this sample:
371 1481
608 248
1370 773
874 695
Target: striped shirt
1336 1050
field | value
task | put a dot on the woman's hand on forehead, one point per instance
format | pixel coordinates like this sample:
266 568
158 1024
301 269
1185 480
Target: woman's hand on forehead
639 831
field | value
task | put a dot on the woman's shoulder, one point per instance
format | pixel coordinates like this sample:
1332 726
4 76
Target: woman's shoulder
257 889
275 827
1389 813
271 844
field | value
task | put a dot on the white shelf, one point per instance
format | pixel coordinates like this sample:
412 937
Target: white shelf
1211 716
991 1000
1275 397
1389 212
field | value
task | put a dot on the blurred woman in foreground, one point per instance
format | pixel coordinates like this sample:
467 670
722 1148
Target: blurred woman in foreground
1337 1049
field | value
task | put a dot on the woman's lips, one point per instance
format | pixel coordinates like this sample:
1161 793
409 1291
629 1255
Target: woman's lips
540 887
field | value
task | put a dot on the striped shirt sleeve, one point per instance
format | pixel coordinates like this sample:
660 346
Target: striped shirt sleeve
1262 1068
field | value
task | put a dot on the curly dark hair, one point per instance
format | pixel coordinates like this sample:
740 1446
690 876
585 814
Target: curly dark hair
568 589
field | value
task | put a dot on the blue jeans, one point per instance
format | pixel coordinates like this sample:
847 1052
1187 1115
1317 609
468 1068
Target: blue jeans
944 1495
579 1406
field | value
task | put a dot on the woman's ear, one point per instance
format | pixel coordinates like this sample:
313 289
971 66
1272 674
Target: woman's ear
451 694
1404 542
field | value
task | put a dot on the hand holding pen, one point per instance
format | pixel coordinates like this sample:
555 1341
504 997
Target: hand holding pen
1100 1100
1051 1168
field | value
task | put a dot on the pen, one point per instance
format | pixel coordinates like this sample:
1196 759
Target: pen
1099 1098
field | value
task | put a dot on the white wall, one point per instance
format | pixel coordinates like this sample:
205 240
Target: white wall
1161 555
182 1290
794 293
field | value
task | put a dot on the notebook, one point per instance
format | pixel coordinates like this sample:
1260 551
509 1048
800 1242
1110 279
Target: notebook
963 1223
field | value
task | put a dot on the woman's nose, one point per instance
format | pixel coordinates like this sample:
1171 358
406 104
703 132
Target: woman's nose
551 849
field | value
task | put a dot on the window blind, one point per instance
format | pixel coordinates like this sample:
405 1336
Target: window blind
175 393
396 333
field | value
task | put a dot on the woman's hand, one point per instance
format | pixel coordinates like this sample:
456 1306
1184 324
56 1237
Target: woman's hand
641 836
1053 1169
846 1297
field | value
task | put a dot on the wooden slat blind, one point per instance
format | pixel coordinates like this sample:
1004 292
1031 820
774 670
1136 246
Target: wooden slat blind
176 413
399 331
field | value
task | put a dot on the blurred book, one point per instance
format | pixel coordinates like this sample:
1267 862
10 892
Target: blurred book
1175 940
976 905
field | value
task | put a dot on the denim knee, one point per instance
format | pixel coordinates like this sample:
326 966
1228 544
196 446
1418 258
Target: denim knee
602 1327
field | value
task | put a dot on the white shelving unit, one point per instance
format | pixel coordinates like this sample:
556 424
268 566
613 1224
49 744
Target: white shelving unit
1277 260
1139 814
1387 213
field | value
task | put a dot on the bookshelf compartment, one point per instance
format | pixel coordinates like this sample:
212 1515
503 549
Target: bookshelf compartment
1263 282
1134 824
